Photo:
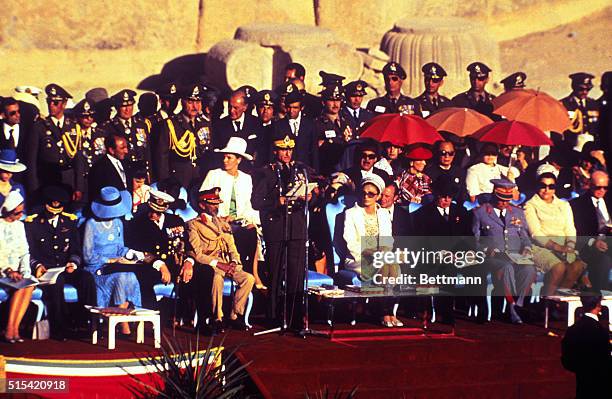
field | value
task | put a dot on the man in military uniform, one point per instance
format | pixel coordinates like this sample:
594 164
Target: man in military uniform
431 100
332 130
53 153
476 98
92 138
582 109
516 81
184 140
353 113
134 129
265 104
211 245
272 184
394 101
53 238
501 229
168 100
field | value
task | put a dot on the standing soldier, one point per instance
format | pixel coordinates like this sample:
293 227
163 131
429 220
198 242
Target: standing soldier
53 155
394 102
283 237
431 100
168 100
134 129
184 140
353 113
92 138
583 110
476 98
266 105
332 130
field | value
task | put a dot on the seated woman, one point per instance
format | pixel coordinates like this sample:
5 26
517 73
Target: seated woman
9 165
413 183
551 224
14 261
367 229
479 176
103 244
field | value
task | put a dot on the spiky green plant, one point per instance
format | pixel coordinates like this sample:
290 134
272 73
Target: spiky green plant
189 373
325 393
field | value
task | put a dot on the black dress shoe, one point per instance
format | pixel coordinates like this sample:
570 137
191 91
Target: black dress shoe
217 327
239 324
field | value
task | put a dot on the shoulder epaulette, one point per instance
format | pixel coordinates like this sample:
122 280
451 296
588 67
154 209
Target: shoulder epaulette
30 218
70 216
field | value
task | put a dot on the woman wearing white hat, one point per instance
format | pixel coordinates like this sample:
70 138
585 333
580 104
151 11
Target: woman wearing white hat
236 188
9 165
14 261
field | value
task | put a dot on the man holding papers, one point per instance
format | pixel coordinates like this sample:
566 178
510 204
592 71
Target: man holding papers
54 243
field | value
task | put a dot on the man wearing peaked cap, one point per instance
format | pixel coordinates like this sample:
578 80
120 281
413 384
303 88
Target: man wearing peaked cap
433 77
54 241
103 104
582 109
514 81
476 98
266 104
53 155
168 99
355 115
394 101
92 137
184 141
272 184
160 235
501 228
332 129
135 129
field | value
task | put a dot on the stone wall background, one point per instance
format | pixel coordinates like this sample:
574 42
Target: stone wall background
120 43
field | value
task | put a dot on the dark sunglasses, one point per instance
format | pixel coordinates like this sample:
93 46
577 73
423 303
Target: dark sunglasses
17 213
55 102
542 186
368 156
393 78
13 113
481 78
600 187
369 194
447 153
435 80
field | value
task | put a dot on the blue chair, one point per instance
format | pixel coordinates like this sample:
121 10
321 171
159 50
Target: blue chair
37 301
318 279
332 210
228 287
3 295
470 205
413 207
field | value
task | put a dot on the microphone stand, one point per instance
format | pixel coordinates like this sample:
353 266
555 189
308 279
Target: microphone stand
283 327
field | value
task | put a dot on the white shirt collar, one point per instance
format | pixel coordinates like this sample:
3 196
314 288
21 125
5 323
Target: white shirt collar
498 212
8 128
592 316
160 222
61 120
241 120
443 211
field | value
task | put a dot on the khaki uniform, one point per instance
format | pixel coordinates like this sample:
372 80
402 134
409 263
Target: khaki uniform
211 241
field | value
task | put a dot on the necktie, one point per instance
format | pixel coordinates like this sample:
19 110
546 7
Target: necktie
294 126
502 217
583 103
434 101
446 216
59 125
356 115
237 125
128 125
122 173
12 143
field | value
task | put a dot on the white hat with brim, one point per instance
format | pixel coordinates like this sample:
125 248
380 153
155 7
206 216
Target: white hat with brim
375 180
12 201
238 146
27 98
9 162
111 203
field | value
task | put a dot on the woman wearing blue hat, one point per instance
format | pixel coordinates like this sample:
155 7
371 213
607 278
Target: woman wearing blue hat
9 165
104 244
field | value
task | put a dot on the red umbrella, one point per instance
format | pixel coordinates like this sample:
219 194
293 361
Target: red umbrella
534 107
400 130
512 133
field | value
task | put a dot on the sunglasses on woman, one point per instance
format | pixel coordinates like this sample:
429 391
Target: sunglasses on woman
369 194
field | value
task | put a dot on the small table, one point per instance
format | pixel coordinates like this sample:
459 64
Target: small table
573 303
146 315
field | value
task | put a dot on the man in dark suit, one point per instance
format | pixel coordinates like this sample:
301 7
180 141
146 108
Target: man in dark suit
443 218
238 123
443 164
366 155
592 221
401 220
476 98
585 351
54 242
431 100
311 103
353 112
13 135
302 127
109 170
266 104
394 101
